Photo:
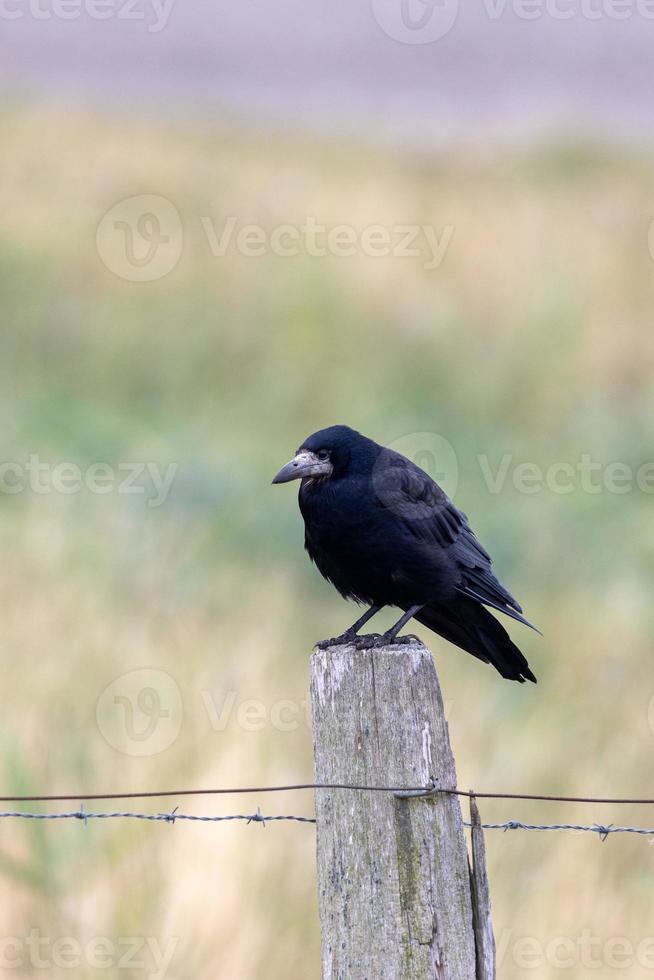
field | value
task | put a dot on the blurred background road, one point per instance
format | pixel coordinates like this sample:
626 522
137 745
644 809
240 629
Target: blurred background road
573 67
204 213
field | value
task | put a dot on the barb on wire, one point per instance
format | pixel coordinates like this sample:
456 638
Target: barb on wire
601 830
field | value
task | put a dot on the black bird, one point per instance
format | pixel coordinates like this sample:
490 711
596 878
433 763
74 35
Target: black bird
385 534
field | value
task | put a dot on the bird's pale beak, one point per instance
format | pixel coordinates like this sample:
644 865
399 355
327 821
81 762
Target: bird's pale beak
304 464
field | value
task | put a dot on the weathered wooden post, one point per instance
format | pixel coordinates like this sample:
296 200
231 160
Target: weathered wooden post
393 875
481 907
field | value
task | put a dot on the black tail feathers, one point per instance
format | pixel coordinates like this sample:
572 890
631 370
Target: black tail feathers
469 625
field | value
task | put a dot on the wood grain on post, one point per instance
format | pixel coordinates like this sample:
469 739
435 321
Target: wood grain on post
481 905
393 874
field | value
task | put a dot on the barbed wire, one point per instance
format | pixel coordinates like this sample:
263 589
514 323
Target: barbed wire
602 830
401 792
172 817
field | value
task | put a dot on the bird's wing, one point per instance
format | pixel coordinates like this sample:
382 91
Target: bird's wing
428 513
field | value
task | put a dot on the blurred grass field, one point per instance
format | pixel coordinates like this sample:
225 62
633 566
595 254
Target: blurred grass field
532 339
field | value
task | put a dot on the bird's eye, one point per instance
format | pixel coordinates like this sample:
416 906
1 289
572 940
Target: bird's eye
323 454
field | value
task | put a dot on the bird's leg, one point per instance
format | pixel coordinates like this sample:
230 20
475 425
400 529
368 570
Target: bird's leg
350 634
362 620
389 635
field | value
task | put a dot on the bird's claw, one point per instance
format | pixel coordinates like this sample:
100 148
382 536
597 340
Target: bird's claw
375 641
404 640
337 641
366 642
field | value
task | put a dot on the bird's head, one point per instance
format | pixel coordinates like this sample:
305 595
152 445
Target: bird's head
325 454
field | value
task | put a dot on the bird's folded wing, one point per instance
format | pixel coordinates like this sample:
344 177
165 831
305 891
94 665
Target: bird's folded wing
428 514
